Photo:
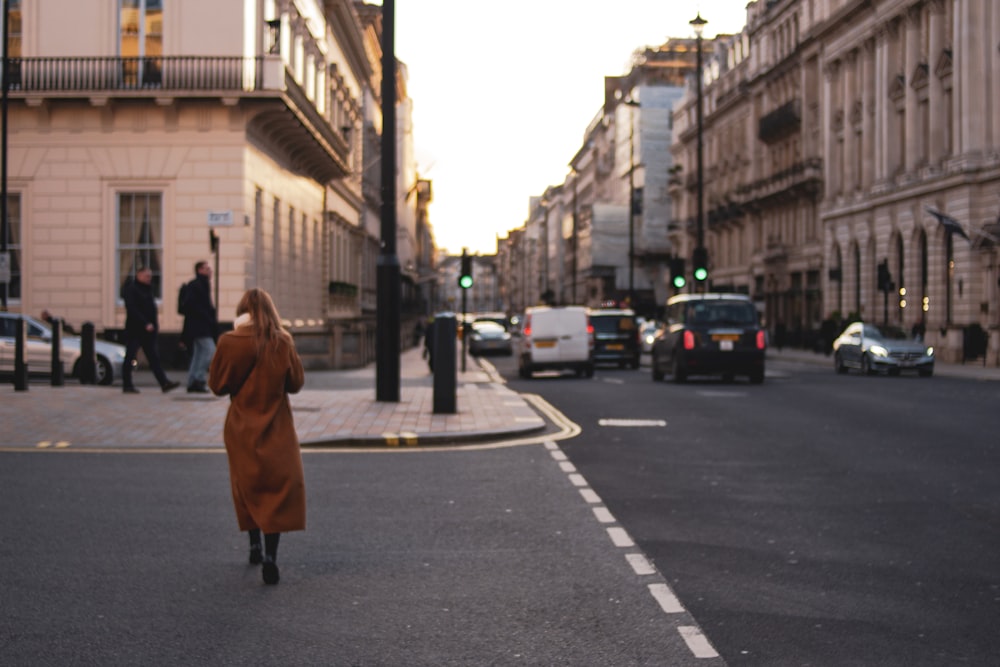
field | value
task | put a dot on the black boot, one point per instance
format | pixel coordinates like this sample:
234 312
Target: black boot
256 551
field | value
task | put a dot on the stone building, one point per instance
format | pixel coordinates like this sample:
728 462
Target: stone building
137 127
839 135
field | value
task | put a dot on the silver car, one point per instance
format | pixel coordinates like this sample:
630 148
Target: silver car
38 350
873 349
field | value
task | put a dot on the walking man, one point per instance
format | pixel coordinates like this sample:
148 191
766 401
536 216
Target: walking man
141 327
201 327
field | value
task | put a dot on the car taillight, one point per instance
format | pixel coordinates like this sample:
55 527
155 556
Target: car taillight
688 340
527 331
590 329
761 340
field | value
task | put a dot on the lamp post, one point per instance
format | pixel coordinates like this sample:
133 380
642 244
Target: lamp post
388 289
698 24
632 104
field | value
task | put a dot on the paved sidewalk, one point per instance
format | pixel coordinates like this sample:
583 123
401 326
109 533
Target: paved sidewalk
336 408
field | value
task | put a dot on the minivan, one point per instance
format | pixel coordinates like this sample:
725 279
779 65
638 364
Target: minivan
555 338
710 334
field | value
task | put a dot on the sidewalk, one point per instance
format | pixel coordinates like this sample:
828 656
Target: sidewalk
970 371
336 408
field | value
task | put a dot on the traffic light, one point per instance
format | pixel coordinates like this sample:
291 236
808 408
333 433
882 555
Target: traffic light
465 277
700 261
677 278
884 279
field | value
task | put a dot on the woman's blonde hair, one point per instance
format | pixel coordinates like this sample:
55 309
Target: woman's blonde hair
266 322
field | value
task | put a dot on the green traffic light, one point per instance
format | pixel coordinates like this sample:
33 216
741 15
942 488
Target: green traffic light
700 273
465 282
679 282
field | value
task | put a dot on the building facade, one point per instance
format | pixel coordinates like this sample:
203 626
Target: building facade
838 136
165 123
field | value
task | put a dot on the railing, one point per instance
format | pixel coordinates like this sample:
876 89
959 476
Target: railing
106 73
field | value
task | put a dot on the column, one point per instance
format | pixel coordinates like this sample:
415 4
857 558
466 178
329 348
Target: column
969 47
849 178
936 100
882 109
911 60
827 131
868 120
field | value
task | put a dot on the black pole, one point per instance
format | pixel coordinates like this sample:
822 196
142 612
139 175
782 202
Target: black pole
465 309
701 152
388 289
631 206
3 141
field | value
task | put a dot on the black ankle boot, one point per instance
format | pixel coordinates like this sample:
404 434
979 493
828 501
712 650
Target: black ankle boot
270 572
256 554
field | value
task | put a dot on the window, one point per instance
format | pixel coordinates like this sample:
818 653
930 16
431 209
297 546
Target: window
14 42
140 237
14 245
141 41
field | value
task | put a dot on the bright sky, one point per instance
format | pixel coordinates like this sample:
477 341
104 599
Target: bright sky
503 92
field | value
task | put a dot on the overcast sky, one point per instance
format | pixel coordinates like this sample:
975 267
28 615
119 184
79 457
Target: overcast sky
503 92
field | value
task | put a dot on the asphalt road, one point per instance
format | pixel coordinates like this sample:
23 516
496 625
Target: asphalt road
815 519
410 558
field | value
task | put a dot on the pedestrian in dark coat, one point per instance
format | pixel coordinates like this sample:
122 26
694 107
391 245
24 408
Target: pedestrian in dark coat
257 365
141 327
200 326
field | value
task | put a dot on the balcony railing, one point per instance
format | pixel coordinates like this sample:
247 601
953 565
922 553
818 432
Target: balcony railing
118 74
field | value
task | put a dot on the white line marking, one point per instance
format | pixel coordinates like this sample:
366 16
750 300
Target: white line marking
604 515
558 455
620 538
590 496
566 466
551 445
697 642
631 422
668 601
62 444
577 480
640 564
44 444
613 380
711 393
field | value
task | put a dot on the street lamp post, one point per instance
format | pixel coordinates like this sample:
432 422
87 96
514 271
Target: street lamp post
632 104
698 24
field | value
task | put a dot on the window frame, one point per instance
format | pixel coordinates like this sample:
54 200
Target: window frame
156 248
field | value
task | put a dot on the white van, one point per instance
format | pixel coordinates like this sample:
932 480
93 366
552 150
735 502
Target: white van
556 338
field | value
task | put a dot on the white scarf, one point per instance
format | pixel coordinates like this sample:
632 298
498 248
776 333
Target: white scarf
242 320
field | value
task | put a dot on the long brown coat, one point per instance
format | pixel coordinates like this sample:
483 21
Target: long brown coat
265 464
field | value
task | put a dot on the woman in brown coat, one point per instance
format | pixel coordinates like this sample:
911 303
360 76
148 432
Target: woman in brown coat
257 365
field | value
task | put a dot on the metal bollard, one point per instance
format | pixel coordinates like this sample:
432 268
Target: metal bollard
57 364
20 364
87 368
445 372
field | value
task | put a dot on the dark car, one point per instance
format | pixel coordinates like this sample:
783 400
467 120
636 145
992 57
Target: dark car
710 334
872 349
616 337
488 337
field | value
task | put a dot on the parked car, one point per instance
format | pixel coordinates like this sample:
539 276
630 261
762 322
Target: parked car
710 334
499 318
489 337
616 337
38 350
555 338
873 349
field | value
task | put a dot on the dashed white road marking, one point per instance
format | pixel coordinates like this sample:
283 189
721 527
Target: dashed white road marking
632 422
668 601
620 538
613 380
640 564
715 393
44 444
604 515
697 642
62 444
